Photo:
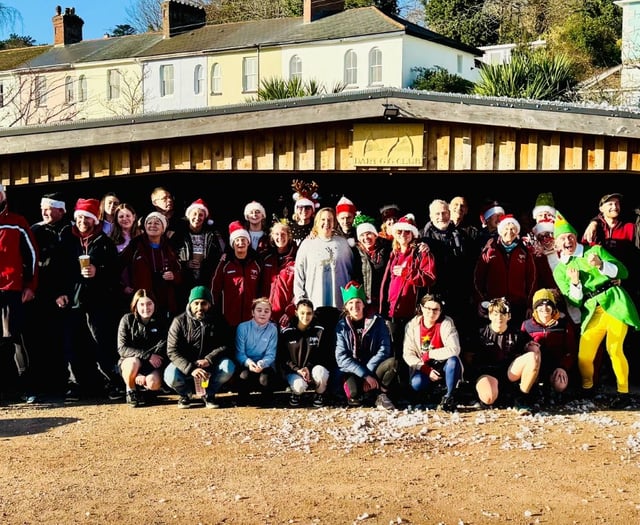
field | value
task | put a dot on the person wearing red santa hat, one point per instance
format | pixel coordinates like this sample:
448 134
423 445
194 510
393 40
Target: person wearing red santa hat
255 222
345 215
199 247
87 295
506 268
237 279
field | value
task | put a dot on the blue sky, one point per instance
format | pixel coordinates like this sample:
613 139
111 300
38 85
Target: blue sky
100 17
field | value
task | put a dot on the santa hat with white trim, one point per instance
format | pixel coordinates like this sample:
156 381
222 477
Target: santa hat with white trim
87 208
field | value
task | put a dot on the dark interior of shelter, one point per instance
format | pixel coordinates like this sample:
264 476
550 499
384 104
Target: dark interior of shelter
226 193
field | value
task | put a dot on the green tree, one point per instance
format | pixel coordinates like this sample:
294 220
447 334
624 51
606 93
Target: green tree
463 20
123 30
439 79
537 75
15 41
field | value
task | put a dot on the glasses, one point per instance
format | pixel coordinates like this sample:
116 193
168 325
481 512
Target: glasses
429 309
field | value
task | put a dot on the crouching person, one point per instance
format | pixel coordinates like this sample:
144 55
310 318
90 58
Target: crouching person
198 345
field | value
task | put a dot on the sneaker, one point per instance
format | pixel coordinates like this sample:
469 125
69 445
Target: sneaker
30 399
132 399
115 392
448 404
354 401
620 402
383 401
72 394
318 400
294 400
210 402
184 402
522 407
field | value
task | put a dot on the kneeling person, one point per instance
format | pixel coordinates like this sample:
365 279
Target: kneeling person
198 346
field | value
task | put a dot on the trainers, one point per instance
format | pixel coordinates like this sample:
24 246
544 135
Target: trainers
383 401
522 406
294 400
72 394
620 402
448 404
184 402
354 401
210 402
318 400
132 399
115 392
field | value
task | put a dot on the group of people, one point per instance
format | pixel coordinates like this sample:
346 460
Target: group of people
329 301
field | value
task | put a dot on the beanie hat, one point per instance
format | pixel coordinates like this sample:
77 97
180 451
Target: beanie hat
364 223
200 292
53 200
544 202
305 193
543 295
562 226
159 216
353 290
408 223
345 205
254 205
87 208
508 219
197 204
236 229
544 226
390 211
490 209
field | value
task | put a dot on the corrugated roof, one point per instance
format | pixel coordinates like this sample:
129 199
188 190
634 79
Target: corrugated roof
12 58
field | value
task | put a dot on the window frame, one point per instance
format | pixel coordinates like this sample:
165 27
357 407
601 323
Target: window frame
375 66
166 80
295 67
113 84
350 68
250 74
198 80
216 79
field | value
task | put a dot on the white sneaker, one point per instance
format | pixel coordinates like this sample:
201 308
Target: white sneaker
383 401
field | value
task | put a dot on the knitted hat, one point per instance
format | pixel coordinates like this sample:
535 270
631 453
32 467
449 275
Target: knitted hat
305 194
200 292
543 295
197 204
253 205
390 211
236 229
490 209
562 226
544 202
53 200
407 223
353 290
345 205
544 226
608 197
87 208
159 216
364 223
508 219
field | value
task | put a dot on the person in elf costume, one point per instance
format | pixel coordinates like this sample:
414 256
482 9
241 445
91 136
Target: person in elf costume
590 278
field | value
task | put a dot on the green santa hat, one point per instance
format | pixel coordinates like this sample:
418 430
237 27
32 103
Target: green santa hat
562 226
364 223
353 290
544 202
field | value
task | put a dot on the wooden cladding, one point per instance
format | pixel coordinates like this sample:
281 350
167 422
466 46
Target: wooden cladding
325 148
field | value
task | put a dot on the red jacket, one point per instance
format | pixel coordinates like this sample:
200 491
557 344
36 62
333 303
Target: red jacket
235 284
277 281
18 253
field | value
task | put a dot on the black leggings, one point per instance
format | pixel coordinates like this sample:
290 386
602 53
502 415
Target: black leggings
386 374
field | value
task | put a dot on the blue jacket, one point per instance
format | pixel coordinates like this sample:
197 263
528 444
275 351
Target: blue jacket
375 347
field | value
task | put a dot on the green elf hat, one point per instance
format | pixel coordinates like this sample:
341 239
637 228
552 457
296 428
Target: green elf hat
353 290
562 226
364 223
544 202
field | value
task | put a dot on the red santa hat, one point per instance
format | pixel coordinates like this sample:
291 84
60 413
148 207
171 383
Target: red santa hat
345 205
236 229
254 205
87 208
508 219
407 223
197 204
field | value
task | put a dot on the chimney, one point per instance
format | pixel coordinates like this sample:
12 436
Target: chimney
180 17
67 27
315 9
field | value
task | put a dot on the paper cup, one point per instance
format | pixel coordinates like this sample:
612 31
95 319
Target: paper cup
85 261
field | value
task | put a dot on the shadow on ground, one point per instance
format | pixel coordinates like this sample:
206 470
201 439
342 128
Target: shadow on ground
33 425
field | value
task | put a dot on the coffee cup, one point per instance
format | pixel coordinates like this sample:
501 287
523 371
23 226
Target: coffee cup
85 261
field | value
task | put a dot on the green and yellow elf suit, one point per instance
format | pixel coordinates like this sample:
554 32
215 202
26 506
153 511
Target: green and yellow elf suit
607 309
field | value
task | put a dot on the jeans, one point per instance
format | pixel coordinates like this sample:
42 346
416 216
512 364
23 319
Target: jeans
183 384
452 374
